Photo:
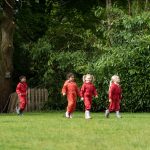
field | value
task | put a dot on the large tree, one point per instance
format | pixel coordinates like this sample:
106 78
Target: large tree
6 51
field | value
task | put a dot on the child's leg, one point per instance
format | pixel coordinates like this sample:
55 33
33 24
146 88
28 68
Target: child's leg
86 114
69 108
22 105
73 109
17 110
87 103
107 113
71 105
117 110
110 109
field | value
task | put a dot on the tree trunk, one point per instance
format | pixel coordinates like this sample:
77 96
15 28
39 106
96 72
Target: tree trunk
108 7
146 5
108 4
6 52
42 4
137 6
129 7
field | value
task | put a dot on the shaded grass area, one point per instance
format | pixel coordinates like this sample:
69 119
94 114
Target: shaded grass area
51 131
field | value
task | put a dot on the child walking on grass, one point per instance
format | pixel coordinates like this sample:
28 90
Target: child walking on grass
21 90
88 90
115 95
70 89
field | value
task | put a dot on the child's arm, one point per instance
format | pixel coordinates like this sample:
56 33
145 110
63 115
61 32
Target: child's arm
110 94
82 92
121 93
77 90
18 91
27 89
82 98
95 92
64 89
96 96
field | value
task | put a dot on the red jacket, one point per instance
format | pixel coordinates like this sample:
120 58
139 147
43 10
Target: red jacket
70 87
21 89
115 92
88 90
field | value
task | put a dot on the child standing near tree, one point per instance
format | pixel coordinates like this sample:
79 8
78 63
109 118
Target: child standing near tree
21 90
115 95
70 89
88 90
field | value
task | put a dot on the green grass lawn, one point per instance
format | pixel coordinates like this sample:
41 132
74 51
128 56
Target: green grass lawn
51 131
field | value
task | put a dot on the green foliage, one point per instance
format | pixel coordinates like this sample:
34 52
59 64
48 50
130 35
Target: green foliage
129 57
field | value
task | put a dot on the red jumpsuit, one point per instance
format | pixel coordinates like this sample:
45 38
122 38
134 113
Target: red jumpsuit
115 94
87 91
21 90
70 88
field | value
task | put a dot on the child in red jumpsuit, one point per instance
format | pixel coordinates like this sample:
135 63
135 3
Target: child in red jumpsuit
70 89
88 90
21 90
115 95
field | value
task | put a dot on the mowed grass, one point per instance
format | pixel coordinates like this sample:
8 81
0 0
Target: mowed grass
52 131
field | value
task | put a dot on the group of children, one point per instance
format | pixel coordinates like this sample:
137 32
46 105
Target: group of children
71 90
87 91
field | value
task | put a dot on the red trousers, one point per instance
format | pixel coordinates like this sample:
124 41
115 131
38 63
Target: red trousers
87 103
22 102
71 102
114 106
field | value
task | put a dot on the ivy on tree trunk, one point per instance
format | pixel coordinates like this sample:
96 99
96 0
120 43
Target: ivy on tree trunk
6 52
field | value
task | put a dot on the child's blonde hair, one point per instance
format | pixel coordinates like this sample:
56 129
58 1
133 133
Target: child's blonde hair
113 79
91 76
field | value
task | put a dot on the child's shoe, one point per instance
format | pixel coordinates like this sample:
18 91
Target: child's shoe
118 114
67 114
107 113
17 111
70 115
87 114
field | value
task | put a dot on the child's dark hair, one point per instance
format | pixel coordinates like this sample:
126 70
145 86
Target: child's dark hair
70 75
21 77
